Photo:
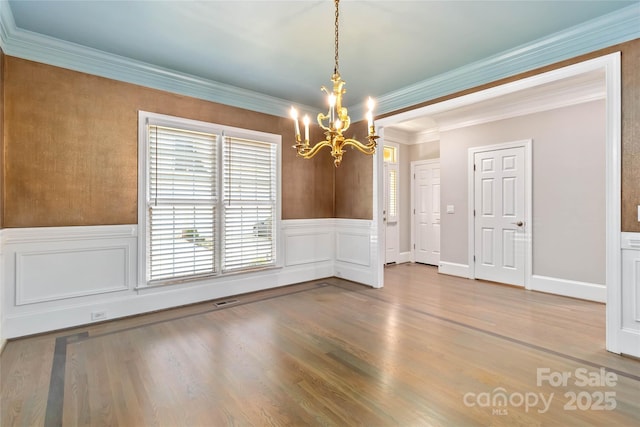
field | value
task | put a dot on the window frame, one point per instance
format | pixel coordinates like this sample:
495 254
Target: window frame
145 119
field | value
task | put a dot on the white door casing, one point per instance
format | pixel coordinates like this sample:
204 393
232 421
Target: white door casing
500 202
425 200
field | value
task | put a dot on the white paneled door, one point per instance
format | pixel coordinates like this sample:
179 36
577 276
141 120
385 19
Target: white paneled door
426 198
500 216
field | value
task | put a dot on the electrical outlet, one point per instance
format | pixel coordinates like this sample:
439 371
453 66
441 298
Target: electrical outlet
98 315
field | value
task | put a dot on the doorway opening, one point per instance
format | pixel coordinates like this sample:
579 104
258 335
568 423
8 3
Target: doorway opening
608 67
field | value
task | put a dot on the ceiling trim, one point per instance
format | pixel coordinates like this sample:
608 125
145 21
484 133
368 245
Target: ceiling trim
574 95
564 99
594 64
6 22
614 28
49 50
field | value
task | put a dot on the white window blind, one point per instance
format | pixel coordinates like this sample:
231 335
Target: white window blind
208 199
393 194
249 203
182 203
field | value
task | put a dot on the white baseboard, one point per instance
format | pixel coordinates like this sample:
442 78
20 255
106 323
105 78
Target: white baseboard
568 288
453 269
355 273
404 257
158 298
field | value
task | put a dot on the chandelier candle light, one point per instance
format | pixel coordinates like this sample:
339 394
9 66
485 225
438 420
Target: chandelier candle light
336 121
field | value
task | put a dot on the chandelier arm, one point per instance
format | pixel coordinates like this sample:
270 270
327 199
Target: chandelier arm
369 148
308 153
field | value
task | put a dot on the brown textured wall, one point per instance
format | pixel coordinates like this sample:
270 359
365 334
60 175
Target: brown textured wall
630 62
630 136
309 182
1 135
71 148
354 180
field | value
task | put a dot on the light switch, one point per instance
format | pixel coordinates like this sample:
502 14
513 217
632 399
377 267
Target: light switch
451 209
638 213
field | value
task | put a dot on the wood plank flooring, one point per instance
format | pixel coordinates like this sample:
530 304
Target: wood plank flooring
426 350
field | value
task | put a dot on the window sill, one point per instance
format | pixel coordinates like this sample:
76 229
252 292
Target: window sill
205 280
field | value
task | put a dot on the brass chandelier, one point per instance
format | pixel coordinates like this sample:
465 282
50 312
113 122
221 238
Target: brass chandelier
336 121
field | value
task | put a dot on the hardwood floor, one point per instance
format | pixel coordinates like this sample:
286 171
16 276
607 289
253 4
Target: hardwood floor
426 350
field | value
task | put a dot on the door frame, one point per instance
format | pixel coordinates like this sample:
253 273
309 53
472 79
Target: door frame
528 201
413 202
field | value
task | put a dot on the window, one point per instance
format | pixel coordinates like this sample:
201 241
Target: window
208 199
390 157
390 154
392 198
249 203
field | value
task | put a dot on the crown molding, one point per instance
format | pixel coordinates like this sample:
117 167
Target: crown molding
539 101
431 135
567 97
396 136
614 28
608 30
7 24
48 50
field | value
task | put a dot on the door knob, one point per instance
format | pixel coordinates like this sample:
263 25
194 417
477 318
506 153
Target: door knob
519 223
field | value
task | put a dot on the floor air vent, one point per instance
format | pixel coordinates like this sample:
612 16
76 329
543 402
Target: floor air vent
224 303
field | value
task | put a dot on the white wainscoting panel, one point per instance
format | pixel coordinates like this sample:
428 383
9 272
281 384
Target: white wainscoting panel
631 282
353 247
356 246
3 339
60 277
48 264
67 273
628 330
308 241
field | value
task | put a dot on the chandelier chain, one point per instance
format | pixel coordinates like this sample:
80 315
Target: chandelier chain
335 69
337 121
